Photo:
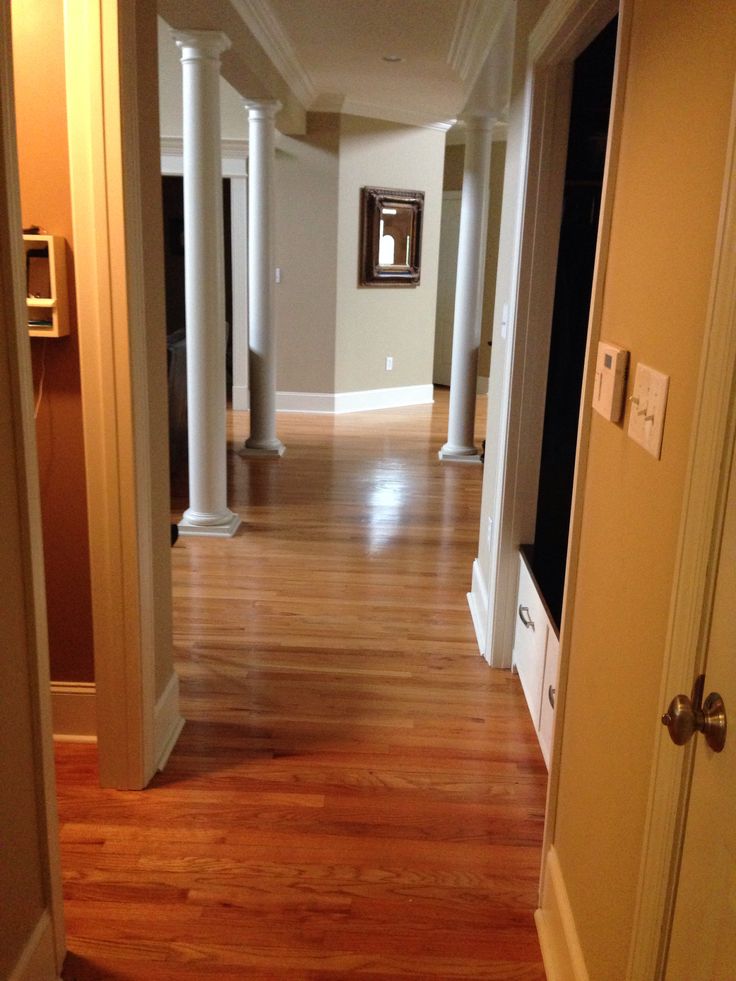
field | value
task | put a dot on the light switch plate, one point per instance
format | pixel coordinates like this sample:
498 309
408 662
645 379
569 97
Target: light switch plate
648 408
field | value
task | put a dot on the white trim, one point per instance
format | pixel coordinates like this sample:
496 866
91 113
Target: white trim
268 31
336 403
340 402
478 603
37 961
73 710
234 156
558 936
167 723
384 398
241 397
700 530
476 29
395 114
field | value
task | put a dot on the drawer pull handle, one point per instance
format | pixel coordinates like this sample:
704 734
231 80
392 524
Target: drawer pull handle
525 618
551 693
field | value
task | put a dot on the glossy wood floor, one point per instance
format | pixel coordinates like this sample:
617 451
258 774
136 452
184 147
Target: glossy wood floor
355 792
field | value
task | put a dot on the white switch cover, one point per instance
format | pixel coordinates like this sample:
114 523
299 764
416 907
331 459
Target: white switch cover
648 407
610 380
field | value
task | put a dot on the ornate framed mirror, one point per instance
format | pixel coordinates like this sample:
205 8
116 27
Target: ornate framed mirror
391 237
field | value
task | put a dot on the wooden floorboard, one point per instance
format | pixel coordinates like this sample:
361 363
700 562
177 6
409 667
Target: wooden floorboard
355 792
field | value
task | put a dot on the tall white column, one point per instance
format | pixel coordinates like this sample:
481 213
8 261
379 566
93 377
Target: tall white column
207 513
471 261
263 440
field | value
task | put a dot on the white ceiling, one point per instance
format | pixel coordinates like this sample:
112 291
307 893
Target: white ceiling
331 52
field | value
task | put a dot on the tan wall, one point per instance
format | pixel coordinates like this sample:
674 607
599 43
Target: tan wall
21 883
678 97
373 322
22 851
38 38
452 178
306 176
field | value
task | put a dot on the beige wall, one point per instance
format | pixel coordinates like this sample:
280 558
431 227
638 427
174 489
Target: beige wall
306 179
375 322
38 37
668 191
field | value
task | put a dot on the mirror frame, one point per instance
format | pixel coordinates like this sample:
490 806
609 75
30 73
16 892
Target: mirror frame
371 272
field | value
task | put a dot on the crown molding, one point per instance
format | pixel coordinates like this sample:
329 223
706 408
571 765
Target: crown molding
475 31
267 30
394 114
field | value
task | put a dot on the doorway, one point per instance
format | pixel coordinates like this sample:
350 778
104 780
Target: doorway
586 155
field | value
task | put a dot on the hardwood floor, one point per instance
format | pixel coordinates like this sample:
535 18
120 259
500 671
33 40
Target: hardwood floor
355 791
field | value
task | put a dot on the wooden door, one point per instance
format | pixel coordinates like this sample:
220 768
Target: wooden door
703 941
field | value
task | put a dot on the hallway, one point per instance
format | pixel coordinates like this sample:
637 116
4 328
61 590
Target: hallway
354 792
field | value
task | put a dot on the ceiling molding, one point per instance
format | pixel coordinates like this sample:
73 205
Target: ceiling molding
475 30
394 114
267 30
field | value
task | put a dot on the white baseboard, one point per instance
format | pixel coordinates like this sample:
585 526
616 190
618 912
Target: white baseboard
339 402
167 723
384 398
478 603
37 962
558 937
73 711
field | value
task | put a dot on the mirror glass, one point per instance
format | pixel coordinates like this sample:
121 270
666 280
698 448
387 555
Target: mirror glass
391 222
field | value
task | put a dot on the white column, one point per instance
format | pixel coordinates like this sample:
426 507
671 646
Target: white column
207 513
263 440
471 261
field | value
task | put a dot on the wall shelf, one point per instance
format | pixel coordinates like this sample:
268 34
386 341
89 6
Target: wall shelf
46 285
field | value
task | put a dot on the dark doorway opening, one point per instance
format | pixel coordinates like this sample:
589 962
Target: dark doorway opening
586 151
174 252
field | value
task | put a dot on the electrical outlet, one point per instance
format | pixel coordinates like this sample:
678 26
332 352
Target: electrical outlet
389 363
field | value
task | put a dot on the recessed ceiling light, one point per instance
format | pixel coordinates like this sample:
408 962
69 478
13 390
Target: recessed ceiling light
392 58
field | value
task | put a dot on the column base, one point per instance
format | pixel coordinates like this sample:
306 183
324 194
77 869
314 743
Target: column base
210 526
271 448
459 454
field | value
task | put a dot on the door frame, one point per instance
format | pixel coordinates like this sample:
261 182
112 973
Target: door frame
129 543
564 29
701 525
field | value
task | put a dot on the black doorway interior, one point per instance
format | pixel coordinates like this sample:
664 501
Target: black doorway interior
591 102
174 251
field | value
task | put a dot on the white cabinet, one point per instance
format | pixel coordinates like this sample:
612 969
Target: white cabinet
536 656
46 287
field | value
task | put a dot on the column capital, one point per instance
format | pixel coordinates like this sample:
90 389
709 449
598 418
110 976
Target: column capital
262 108
479 120
200 45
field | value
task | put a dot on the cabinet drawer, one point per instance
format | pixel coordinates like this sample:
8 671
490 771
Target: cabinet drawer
549 695
530 641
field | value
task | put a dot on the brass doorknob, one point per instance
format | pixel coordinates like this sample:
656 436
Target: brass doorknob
685 717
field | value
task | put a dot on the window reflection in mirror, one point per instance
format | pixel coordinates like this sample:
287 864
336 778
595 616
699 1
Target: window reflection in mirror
390 237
